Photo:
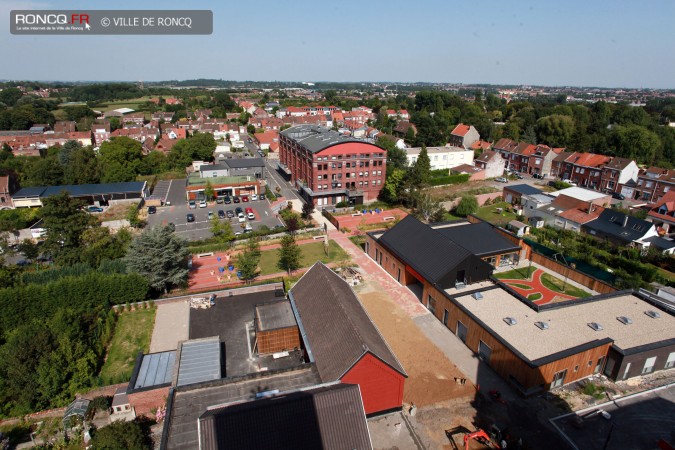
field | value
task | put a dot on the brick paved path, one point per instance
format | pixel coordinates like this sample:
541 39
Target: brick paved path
535 284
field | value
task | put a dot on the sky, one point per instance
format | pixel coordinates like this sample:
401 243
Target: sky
554 43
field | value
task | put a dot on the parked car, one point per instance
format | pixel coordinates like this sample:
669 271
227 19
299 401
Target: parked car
242 217
517 175
229 214
152 209
227 199
94 209
618 196
221 214
262 197
202 204
571 183
235 199
192 204
249 214
190 217
248 228
219 200
501 180
537 176
244 198
238 210
254 197
210 215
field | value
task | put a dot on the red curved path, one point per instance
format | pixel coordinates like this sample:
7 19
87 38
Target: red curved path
547 295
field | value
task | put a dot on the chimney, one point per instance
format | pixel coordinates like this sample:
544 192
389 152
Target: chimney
625 220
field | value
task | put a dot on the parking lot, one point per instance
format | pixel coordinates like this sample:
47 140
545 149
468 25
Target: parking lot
200 229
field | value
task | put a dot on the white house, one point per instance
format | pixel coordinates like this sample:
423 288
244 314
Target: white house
442 158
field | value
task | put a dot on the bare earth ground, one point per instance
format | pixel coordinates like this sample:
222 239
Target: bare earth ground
431 376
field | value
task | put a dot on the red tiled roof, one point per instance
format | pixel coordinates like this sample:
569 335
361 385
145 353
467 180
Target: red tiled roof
588 159
582 216
480 145
461 130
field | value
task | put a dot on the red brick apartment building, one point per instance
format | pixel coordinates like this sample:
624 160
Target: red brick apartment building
329 168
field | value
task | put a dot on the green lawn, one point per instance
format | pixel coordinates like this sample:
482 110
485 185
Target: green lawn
490 214
132 334
311 253
522 273
521 286
535 296
556 285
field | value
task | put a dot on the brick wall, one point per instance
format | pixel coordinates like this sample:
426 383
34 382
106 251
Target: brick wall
144 402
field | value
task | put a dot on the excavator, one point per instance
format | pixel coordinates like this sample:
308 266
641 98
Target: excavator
497 437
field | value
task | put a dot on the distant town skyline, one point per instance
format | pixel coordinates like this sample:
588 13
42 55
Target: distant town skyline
621 44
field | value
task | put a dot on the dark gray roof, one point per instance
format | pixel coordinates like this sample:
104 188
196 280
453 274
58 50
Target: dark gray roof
611 223
338 330
275 315
208 167
156 369
82 190
243 163
199 361
427 251
330 417
524 189
660 243
315 138
190 403
481 238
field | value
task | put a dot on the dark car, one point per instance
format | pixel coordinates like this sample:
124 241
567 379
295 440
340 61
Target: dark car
230 214
219 200
152 209
190 217
537 176
261 197
235 199
227 200
238 210
94 209
517 175
618 196
221 214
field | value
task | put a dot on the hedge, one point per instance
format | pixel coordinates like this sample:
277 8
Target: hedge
449 179
50 275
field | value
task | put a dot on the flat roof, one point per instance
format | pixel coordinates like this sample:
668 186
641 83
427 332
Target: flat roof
432 150
156 369
199 361
579 193
82 190
316 138
243 163
272 316
524 189
568 325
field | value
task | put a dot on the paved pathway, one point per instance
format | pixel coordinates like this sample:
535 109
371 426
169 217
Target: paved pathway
171 326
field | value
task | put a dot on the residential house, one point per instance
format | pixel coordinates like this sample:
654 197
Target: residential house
651 185
165 144
481 146
616 173
7 188
491 162
165 116
593 171
64 126
442 158
402 128
475 173
464 136
621 229
265 139
512 193
662 214
101 132
136 119
540 161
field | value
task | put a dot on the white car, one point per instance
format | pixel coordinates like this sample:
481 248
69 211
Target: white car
202 204
242 217
571 183
254 197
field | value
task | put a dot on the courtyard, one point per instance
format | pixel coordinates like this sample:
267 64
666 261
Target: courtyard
540 286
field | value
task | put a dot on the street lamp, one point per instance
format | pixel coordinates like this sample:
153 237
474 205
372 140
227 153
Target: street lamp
566 272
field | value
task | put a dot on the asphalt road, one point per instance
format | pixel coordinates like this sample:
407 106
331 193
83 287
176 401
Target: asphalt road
275 179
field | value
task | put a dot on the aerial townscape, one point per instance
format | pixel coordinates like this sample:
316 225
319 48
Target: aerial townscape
214 264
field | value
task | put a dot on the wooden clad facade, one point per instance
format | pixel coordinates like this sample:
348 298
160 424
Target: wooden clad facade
278 340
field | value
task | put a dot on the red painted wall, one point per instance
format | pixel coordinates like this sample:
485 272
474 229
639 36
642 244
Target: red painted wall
381 386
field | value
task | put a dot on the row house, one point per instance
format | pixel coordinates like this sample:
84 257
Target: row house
652 185
83 137
137 119
463 136
319 120
139 134
364 109
541 160
314 110
597 172
491 163
330 168
161 115
292 111
24 145
101 133
65 126
516 154
271 123
400 114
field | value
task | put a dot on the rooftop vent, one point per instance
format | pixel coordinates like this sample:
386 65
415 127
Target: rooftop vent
624 320
595 326
510 321
477 296
653 314
541 325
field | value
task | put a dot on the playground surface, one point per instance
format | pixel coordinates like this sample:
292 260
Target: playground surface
370 217
533 289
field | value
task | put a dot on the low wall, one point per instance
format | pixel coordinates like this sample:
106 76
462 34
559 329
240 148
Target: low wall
482 198
144 402
572 274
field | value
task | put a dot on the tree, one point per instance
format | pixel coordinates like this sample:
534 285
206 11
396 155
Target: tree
420 172
290 255
44 172
529 136
209 192
10 96
132 217
635 142
120 159
307 210
292 222
427 208
65 222
160 256
222 230
250 129
67 150
120 435
247 261
467 205
83 167
393 185
555 130
29 249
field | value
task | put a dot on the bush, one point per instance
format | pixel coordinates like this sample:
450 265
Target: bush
342 205
468 205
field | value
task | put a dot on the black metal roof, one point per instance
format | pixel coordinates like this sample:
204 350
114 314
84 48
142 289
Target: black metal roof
428 252
330 417
338 330
481 238
611 223
524 189
315 138
82 190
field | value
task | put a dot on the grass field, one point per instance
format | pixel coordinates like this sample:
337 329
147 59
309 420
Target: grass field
311 253
490 214
132 334
535 296
522 273
556 284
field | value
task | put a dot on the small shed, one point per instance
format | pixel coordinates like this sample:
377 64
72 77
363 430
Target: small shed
537 222
275 328
519 228
78 408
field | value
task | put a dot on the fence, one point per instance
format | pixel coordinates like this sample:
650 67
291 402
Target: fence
331 218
